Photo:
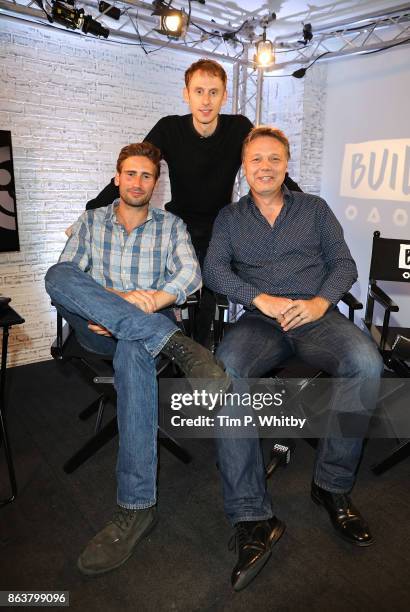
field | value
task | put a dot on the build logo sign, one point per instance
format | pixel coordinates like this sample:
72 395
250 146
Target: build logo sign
377 170
9 238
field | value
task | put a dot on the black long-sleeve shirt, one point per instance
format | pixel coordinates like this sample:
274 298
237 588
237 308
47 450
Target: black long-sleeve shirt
202 170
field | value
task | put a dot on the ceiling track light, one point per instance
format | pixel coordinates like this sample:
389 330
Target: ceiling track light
265 52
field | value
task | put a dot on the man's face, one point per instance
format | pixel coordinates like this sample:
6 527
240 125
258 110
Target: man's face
205 95
136 181
265 164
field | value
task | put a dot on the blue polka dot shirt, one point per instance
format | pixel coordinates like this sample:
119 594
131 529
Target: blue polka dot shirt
301 256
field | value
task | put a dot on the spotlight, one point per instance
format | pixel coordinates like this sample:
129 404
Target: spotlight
265 54
172 22
75 19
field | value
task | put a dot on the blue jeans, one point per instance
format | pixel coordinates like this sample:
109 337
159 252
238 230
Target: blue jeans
137 339
257 344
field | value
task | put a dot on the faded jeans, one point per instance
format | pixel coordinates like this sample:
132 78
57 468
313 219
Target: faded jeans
137 339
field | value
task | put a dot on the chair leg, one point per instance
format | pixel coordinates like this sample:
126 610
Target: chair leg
91 409
107 433
9 460
398 454
173 447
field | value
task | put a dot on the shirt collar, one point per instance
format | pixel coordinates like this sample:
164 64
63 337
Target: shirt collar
287 197
110 214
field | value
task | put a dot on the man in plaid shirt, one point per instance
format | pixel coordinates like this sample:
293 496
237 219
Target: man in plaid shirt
121 270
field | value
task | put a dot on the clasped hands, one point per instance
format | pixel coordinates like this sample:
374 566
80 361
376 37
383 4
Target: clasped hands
291 314
144 299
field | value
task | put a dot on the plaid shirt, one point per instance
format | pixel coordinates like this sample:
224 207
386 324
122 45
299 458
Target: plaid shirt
156 255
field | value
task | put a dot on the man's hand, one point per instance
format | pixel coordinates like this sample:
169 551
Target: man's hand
148 300
299 312
144 299
272 306
141 298
98 329
69 231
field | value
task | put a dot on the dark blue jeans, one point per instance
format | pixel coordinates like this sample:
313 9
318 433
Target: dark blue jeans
137 339
257 344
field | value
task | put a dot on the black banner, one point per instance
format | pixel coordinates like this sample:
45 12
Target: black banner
9 237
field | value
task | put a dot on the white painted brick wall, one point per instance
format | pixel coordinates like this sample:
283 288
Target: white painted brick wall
71 103
297 107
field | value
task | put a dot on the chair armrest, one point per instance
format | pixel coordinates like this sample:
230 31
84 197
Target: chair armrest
63 333
221 300
382 298
192 300
350 300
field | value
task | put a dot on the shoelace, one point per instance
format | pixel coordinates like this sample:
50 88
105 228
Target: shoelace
123 518
184 352
241 536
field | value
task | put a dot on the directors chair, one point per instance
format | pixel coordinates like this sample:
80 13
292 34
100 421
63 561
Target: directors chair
98 370
390 262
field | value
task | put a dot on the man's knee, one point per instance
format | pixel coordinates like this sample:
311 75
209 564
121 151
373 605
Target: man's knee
57 271
364 361
234 360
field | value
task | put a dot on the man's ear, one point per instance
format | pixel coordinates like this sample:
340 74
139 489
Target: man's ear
185 95
225 98
117 179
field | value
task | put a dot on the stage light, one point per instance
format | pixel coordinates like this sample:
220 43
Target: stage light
76 19
265 53
172 22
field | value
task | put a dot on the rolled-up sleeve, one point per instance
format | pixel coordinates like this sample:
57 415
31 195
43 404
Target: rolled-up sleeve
78 246
183 274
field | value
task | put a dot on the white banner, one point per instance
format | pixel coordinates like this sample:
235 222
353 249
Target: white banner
377 170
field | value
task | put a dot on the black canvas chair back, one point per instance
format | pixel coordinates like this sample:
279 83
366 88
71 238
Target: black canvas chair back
390 261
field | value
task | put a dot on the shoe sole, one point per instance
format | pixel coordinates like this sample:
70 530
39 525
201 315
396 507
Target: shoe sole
90 572
246 578
361 544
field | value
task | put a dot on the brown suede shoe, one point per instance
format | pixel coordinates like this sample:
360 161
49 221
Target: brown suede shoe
196 362
114 544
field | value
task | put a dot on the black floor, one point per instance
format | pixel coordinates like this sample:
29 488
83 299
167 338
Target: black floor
185 564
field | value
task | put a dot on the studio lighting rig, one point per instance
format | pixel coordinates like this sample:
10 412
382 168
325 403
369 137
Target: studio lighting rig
67 15
172 22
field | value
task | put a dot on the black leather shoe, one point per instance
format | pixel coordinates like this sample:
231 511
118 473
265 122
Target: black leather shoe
254 541
346 519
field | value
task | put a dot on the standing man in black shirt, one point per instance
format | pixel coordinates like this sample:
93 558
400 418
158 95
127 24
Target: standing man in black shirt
203 153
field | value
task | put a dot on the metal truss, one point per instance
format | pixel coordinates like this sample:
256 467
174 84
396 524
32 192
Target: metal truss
206 37
137 26
367 33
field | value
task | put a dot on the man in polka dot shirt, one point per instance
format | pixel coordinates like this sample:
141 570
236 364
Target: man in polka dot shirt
282 255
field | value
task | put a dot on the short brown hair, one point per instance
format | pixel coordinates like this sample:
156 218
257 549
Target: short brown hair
209 66
140 149
265 130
